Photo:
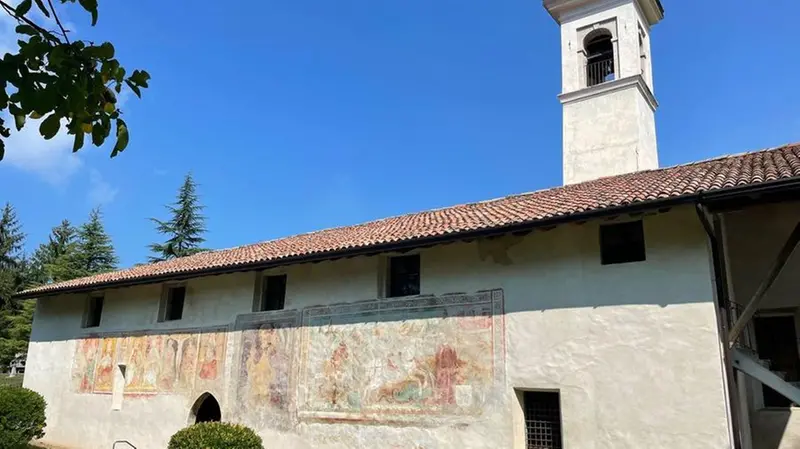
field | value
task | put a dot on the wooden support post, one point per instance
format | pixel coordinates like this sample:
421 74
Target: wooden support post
758 296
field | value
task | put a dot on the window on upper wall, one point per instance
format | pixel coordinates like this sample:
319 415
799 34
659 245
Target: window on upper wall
172 303
542 419
404 276
273 293
622 243
94 310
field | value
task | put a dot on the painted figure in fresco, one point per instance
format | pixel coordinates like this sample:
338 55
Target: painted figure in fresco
135 367
169 365
152 361
188 359
334 390
105 366
85 358
446 368
260 372
208 357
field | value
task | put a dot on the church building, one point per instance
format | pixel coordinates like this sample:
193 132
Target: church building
633 307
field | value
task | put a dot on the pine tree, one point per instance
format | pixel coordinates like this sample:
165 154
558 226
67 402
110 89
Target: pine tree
15 316
11 241
95 252
57 259
185 229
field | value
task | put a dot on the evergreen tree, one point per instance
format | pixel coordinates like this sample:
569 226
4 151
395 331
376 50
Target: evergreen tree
185 229
95 252
11 241
15 316
57 259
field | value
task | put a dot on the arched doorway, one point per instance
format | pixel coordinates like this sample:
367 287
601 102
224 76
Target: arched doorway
206 409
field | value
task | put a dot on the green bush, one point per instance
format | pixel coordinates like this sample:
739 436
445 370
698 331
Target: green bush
215 435
21 416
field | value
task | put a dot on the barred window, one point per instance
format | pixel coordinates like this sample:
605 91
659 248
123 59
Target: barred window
542 420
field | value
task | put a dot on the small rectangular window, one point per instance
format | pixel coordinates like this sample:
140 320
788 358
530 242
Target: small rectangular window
542 420
404 276
94 310
273 293
622 243
172 306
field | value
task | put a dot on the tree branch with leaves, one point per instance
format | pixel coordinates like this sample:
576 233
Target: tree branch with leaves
56 79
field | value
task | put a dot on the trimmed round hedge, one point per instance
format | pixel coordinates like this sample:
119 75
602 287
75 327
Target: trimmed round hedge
215 435
21 416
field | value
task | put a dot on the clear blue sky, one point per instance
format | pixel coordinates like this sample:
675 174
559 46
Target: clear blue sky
306 114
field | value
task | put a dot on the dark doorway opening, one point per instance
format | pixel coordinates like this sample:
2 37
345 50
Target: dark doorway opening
207 409
776 338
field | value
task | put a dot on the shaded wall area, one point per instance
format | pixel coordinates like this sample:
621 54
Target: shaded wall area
753 238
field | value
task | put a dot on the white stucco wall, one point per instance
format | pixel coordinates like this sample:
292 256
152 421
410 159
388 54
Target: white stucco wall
632 348
608 134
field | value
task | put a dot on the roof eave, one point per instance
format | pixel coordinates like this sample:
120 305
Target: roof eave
727 194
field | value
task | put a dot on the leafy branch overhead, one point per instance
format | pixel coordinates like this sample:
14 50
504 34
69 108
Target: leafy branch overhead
63 82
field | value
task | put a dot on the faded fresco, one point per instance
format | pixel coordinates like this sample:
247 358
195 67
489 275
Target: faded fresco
104 371
265 367
210 360
154 363
374 361
84 365
400 358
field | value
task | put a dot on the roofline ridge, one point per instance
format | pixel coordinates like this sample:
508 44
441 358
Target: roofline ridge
202 261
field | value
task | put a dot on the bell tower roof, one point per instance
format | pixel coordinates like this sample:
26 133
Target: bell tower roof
564 10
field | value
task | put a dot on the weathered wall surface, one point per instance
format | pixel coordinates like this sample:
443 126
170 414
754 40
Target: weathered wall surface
439 371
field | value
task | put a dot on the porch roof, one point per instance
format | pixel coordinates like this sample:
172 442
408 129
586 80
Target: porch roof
617 194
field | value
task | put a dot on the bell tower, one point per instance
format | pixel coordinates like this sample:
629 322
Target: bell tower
607 86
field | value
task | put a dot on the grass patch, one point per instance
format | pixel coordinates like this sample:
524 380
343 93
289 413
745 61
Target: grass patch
6 381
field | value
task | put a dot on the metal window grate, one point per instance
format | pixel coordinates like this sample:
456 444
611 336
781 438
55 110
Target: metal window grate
542 420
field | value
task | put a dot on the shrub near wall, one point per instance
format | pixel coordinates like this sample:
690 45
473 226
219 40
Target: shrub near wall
21 416
215 435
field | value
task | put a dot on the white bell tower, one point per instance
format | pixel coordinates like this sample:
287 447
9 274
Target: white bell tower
607 86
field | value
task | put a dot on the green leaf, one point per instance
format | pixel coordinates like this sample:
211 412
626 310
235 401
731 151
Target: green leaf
19 120
78 144
109 108
122 138
35 115
140 78
98 136
107 50
104 51
23 8
50 126
43 8
56 56
134 88
91 7
26 29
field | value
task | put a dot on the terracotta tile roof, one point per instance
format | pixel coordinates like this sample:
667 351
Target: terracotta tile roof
611 192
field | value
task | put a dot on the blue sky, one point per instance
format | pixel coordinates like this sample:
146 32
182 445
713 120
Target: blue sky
306 114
